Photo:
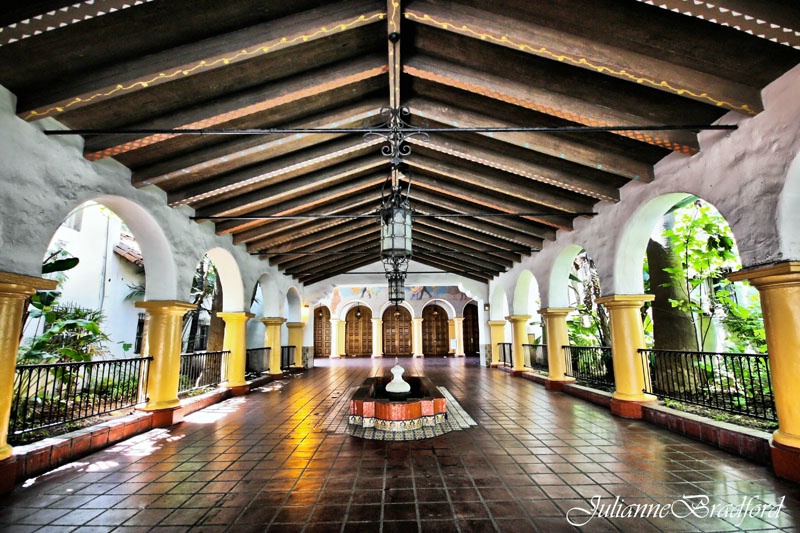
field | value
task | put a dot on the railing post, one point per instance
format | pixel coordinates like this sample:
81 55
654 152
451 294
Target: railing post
235 342
555 319
627 337
519 335
273 340
497 330
164 345
779 290
14 291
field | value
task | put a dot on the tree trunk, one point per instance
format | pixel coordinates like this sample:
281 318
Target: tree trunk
216 329
673 329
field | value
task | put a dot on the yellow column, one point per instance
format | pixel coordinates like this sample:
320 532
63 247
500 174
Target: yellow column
377 337
236 343
451 328
627 337
164 331
335 338
497 329
458 329
416 337
779 290
555 323
296 340
519 333
273 341
341 329
14 290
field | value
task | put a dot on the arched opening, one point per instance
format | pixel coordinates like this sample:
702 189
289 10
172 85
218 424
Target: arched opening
435 336
322 331
99 266
589 324
397 332
358 332
472 342
202 329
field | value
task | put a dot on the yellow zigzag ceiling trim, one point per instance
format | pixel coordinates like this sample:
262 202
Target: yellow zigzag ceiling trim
581 62
241 112
207 65
548 110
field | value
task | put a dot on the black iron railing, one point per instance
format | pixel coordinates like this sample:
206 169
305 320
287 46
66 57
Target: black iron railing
590 365
732 382
202 369
504 354
287 357
257 360
536 357
50 395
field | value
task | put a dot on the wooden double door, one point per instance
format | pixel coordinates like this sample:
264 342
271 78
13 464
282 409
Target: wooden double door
397 331
435 332
358 332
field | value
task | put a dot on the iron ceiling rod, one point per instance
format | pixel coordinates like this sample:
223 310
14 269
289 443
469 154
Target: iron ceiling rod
386 130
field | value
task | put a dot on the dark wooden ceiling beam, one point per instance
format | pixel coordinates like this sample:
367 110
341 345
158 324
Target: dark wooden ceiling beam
487 200
276 231
203 56
300 204
563 106
321 240
343 267
298 187
464 254
584 53
448 265
549 175
229 112
207 162
545 143
515 229
361 243
501 182
276 171
469 238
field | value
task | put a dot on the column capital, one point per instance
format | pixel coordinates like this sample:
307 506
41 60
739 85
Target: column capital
625 300
272 321
24 286
555 312
786 273
235 316
292 325
497 322
165 307
518 318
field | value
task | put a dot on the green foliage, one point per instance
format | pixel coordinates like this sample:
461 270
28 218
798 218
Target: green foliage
71 333
591 326
703 241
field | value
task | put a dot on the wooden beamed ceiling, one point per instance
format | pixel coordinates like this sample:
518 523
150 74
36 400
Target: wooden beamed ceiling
307 202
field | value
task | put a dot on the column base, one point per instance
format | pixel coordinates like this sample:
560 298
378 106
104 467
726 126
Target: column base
628 409
8 474
516 372
785 461
419 355
557 385
377 356
279 375
239 390
164 418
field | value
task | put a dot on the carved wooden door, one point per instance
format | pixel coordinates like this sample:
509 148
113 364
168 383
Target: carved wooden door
322 332
358 332
471 338
435 337
396 332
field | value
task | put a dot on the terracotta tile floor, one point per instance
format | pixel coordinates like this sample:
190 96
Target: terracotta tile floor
263 462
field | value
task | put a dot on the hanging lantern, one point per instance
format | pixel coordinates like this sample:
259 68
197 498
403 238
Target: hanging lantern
397 289
395 227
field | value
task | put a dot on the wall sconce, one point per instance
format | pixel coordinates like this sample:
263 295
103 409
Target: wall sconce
485 307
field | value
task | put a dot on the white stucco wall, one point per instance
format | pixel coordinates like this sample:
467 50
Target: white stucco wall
742 173
43 178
